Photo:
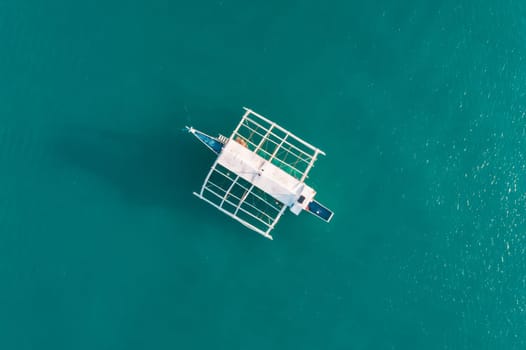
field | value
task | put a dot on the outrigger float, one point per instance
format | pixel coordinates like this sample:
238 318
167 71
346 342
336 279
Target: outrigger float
260 171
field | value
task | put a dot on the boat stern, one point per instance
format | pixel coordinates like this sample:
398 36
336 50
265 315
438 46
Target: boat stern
320 211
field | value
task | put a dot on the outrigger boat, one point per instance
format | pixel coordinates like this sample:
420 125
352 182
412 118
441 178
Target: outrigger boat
260 171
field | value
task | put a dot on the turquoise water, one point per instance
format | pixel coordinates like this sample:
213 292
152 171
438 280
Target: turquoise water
420 107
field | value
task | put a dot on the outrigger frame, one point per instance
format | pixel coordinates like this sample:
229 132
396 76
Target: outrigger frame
236 195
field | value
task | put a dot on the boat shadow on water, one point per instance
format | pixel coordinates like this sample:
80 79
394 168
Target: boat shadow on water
151 168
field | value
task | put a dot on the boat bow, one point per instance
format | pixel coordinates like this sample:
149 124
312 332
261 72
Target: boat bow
211 142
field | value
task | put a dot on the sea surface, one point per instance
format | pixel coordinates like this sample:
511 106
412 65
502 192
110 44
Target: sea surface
419 105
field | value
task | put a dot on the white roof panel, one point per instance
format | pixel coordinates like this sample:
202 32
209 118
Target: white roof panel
263 174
